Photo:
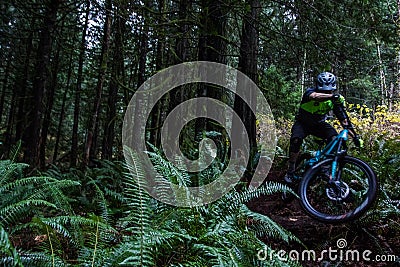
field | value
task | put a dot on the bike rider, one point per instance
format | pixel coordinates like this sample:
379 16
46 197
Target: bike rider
315 105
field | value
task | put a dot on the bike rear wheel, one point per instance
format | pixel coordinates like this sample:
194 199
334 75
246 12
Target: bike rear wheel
345 200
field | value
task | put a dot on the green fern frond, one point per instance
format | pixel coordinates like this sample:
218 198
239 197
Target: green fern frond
9 255
78 221
10 171
212 253
168 170
15 150
138 200
101 200
137 258
114 194
236 199
42 259
140 253
384 210
15 211
25 181
265 226
166 238
22 195
33 259
118 254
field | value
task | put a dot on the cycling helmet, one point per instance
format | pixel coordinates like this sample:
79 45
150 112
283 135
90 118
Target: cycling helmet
326 81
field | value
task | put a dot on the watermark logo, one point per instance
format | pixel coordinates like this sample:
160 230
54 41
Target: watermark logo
234 83
341 243
333 254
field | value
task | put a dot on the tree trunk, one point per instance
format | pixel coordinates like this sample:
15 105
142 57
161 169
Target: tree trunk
74 144
303 72
10 122
212 47
384 93
157 115
90 147
62 114
181 51
390 96
248 65
32 137
21 85
141 71
117 73
5 85
160 36
182 43
49 108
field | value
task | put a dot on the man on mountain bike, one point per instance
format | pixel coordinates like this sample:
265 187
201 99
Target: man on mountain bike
315 105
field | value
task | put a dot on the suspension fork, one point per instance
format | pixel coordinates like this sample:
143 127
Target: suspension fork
338 155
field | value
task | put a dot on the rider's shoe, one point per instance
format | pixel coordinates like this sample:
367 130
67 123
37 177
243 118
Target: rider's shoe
289 178
289 181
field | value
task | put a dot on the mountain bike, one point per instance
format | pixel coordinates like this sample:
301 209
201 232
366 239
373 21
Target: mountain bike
334 187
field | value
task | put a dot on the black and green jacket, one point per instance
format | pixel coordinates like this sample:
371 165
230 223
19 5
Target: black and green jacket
315 111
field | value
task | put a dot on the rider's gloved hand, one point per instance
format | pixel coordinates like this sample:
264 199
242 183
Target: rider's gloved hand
335 98
358 142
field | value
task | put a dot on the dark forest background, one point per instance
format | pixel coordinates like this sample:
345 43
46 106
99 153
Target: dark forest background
69 68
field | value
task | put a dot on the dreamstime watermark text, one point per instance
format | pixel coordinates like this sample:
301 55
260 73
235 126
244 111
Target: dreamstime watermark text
339 253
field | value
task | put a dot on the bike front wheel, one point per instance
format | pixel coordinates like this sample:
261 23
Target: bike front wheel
346 199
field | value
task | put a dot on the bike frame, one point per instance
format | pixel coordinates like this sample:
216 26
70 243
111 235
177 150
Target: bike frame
332 149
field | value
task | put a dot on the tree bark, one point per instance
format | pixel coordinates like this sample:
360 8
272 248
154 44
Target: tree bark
5 85
49 107
157 115
181 93
32 138
117 73
248 65
383 87
74 144
181 46
62 115
141 70
212 47
22 84
90 147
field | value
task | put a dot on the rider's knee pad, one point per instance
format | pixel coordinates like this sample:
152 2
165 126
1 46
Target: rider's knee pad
295 144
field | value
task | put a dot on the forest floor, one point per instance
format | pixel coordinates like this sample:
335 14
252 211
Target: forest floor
377 242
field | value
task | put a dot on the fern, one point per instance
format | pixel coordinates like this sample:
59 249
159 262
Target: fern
166 174
140 254
215 235
42 259
101 200
150 232
25 203
10 170
9 254
118 254
12 213
15 150
237 198
264 226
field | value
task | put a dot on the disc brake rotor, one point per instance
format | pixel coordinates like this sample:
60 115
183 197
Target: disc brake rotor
338 192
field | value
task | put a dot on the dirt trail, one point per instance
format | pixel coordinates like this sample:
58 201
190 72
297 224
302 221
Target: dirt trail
319 236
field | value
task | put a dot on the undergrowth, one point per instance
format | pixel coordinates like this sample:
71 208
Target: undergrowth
104 217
